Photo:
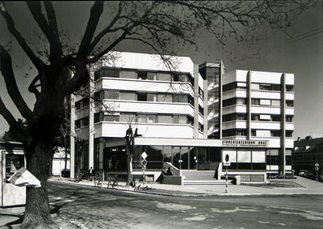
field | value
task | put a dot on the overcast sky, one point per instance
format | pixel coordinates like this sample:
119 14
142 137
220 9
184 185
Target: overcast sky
298 50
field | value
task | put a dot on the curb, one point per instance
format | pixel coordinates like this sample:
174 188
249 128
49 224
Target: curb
190 194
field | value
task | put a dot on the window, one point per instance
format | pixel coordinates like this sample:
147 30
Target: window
127 117
164 97
142 75
110 73
276 118
265 102
255 86
85 102
289 133
151 97
142 96
128 96
151 118
263 133
164 77
128 74
255 102
255 117
78 105
275 133
275 103
290 103
77 124
275 87
179 98
111 118
142 118
201 110
165 119
289 118
151 76
265 87
265 117
97 117
111 94
240 101
289 87
85 121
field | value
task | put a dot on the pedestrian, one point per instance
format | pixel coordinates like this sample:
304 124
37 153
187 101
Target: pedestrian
169 172
91 173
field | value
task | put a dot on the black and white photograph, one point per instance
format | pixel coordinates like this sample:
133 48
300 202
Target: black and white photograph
161 114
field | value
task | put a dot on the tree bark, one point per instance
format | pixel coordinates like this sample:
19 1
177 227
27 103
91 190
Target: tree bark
129 164
37 210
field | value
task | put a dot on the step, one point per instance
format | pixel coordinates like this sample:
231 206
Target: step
205 182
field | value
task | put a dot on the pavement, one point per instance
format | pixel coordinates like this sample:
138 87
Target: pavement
297 186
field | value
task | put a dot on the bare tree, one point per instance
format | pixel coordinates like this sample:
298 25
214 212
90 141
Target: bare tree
156 24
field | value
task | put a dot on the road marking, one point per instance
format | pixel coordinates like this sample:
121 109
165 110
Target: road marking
218 210
174 207
196 218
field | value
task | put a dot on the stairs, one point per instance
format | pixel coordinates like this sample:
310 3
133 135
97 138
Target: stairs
200 177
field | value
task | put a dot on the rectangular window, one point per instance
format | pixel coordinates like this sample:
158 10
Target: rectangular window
77 124
265 102
244 156
263 133
142 96
110 73
78 105
111 118
151 75
151 97
290 103
128 96
151 118
164 97
183 78
255 102
258 156
164 77
255 86
241 101
275 103
275 133
265 87
165 119
255 117
142 75
85 121
127 117
265 117
111 94
128 74
275 87
289 118
142 118
275 118
289 87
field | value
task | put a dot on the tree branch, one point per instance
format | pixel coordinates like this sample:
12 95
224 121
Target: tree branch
95 15
14 93
10 119
33 87
47 29
12 29
108 28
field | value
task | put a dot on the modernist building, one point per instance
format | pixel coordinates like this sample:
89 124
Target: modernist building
190 117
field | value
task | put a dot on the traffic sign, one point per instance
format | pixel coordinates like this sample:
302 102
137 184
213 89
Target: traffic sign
317 166
226 163
144 162
144 155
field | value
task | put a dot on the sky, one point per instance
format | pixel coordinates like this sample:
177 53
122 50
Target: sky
297 50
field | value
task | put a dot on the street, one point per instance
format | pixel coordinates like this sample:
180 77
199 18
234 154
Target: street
88 207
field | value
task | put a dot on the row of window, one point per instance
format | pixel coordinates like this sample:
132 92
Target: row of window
256 133
143 75
256 102
256 117
143 96
138 118
256 86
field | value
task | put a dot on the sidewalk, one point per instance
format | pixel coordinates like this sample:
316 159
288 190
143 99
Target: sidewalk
298 186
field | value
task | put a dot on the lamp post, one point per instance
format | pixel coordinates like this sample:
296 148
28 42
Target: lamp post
226 172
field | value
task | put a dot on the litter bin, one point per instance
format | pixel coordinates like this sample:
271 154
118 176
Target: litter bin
66 173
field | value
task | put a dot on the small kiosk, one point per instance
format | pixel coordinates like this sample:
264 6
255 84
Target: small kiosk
11 159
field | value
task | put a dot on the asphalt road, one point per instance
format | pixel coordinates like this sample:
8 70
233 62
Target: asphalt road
89 207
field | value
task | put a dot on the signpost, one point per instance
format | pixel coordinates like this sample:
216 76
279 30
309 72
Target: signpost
317 168
226 164
143 166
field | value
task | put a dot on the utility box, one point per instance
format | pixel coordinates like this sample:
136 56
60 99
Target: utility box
10 162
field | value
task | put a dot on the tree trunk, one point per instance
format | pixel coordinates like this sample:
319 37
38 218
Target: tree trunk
129 165
37 211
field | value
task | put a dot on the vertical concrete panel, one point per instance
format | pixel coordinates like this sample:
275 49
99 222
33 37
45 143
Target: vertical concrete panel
282 164
196 101
249 77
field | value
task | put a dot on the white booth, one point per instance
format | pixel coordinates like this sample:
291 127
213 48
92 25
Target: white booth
10 162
